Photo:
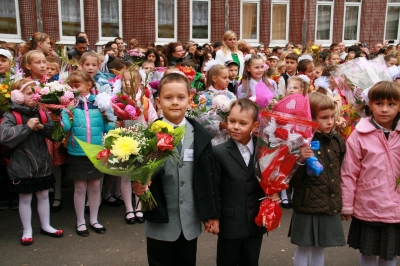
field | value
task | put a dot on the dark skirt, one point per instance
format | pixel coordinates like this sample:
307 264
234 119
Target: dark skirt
32 185
81 168
316 230
378 239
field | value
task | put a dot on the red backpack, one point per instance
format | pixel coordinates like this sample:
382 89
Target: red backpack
6 152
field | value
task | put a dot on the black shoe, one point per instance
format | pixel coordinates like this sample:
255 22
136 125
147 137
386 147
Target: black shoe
56 234
131 220
101 230
83 233
286 204
139 220
115 203
121 200
56 208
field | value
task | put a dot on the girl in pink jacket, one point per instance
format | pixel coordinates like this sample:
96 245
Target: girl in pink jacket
370 171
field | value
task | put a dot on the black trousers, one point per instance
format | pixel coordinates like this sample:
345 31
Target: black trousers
181 252
243 252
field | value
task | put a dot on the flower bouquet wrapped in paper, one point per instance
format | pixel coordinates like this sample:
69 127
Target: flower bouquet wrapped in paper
124 107
279 141
54 97
135 152
136 55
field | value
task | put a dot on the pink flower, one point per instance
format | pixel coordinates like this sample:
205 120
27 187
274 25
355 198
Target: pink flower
69 95
114 99
44 91
37 89
64 100
130 110
36 97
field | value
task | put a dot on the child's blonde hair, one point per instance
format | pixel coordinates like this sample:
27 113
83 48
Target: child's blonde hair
79 76
320 102
130 87
87 54
247 75
214 71
19 83
53 60
27 59
280 65
304 84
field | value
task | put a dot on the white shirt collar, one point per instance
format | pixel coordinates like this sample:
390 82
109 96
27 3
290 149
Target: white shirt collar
180 124
211 88
253 82
249 145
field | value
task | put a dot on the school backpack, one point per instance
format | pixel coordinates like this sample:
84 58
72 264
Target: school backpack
5 151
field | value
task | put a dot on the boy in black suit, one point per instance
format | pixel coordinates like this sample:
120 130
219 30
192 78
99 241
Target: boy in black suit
239 239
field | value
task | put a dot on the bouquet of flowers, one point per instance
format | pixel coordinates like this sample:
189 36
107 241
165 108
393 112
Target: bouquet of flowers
5 94
54 97
135 152
136 55
189 72
124 107
279 141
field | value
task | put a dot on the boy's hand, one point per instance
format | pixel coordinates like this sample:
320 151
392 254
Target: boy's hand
346 217
275 197
54 117
211 226
305 152
223 125
33 122
138 188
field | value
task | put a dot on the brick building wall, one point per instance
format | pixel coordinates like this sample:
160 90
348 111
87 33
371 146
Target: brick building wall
138 20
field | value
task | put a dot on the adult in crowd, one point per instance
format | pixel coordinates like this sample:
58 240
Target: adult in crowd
80 48
40 42
230 51
175 52
122 54
289 47
342 49
277 51
375 50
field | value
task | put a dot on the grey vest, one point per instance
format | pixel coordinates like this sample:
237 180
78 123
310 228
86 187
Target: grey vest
178 188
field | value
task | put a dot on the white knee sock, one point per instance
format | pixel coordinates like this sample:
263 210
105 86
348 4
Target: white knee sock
126 189
367 260
317 256
57 186
43 207
382 262
284 195
108 184
93 191
25 213
79 202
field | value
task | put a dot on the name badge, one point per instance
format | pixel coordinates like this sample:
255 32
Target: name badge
188 155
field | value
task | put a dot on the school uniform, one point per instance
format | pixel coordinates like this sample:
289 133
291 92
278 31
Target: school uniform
186 194
232 86
240 239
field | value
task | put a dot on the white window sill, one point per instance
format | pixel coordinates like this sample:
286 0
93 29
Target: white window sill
11 39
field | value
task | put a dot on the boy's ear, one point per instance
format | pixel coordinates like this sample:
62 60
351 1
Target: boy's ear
158 102
256 124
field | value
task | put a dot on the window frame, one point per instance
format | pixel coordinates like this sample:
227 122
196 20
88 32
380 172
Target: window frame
104 40
281 43
324 3
17 38
253 42
69 40
197 40
359 5
167 40
388 4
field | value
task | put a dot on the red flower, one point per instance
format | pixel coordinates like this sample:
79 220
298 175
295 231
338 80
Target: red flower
120 105
138 111
103 155
164 142
281 133
281 122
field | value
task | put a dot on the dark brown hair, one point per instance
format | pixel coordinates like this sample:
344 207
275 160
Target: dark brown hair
246 105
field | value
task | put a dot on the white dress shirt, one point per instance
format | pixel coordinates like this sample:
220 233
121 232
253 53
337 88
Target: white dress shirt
246 150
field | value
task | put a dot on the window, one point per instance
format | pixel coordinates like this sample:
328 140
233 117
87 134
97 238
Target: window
166 21
71 19
110 13
9 20
249 29
200 20
280 22
324 22
352 14
392 20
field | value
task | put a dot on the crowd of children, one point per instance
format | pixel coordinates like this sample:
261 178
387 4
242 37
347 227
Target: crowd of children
216 186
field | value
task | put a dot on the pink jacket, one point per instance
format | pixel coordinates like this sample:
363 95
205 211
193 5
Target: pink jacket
369 172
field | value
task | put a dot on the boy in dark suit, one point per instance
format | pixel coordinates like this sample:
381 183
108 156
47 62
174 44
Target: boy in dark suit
186 189
239 239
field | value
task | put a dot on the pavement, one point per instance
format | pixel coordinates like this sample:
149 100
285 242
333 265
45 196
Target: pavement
125 244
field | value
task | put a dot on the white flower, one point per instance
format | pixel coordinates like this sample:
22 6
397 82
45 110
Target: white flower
221 102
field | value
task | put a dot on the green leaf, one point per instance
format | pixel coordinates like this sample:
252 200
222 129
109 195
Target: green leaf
397 183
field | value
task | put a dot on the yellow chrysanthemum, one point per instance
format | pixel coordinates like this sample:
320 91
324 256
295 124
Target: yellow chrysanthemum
124 147
315 48
7 95
114 133
159 125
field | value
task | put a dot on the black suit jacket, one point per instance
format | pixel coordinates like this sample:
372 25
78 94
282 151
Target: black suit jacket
239 191
204 181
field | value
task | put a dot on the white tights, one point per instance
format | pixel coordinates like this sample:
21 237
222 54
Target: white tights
315 254
126 189
43 208
92 186
371 261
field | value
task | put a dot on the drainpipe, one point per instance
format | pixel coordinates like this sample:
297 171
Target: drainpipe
226 15
304 31
39 15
